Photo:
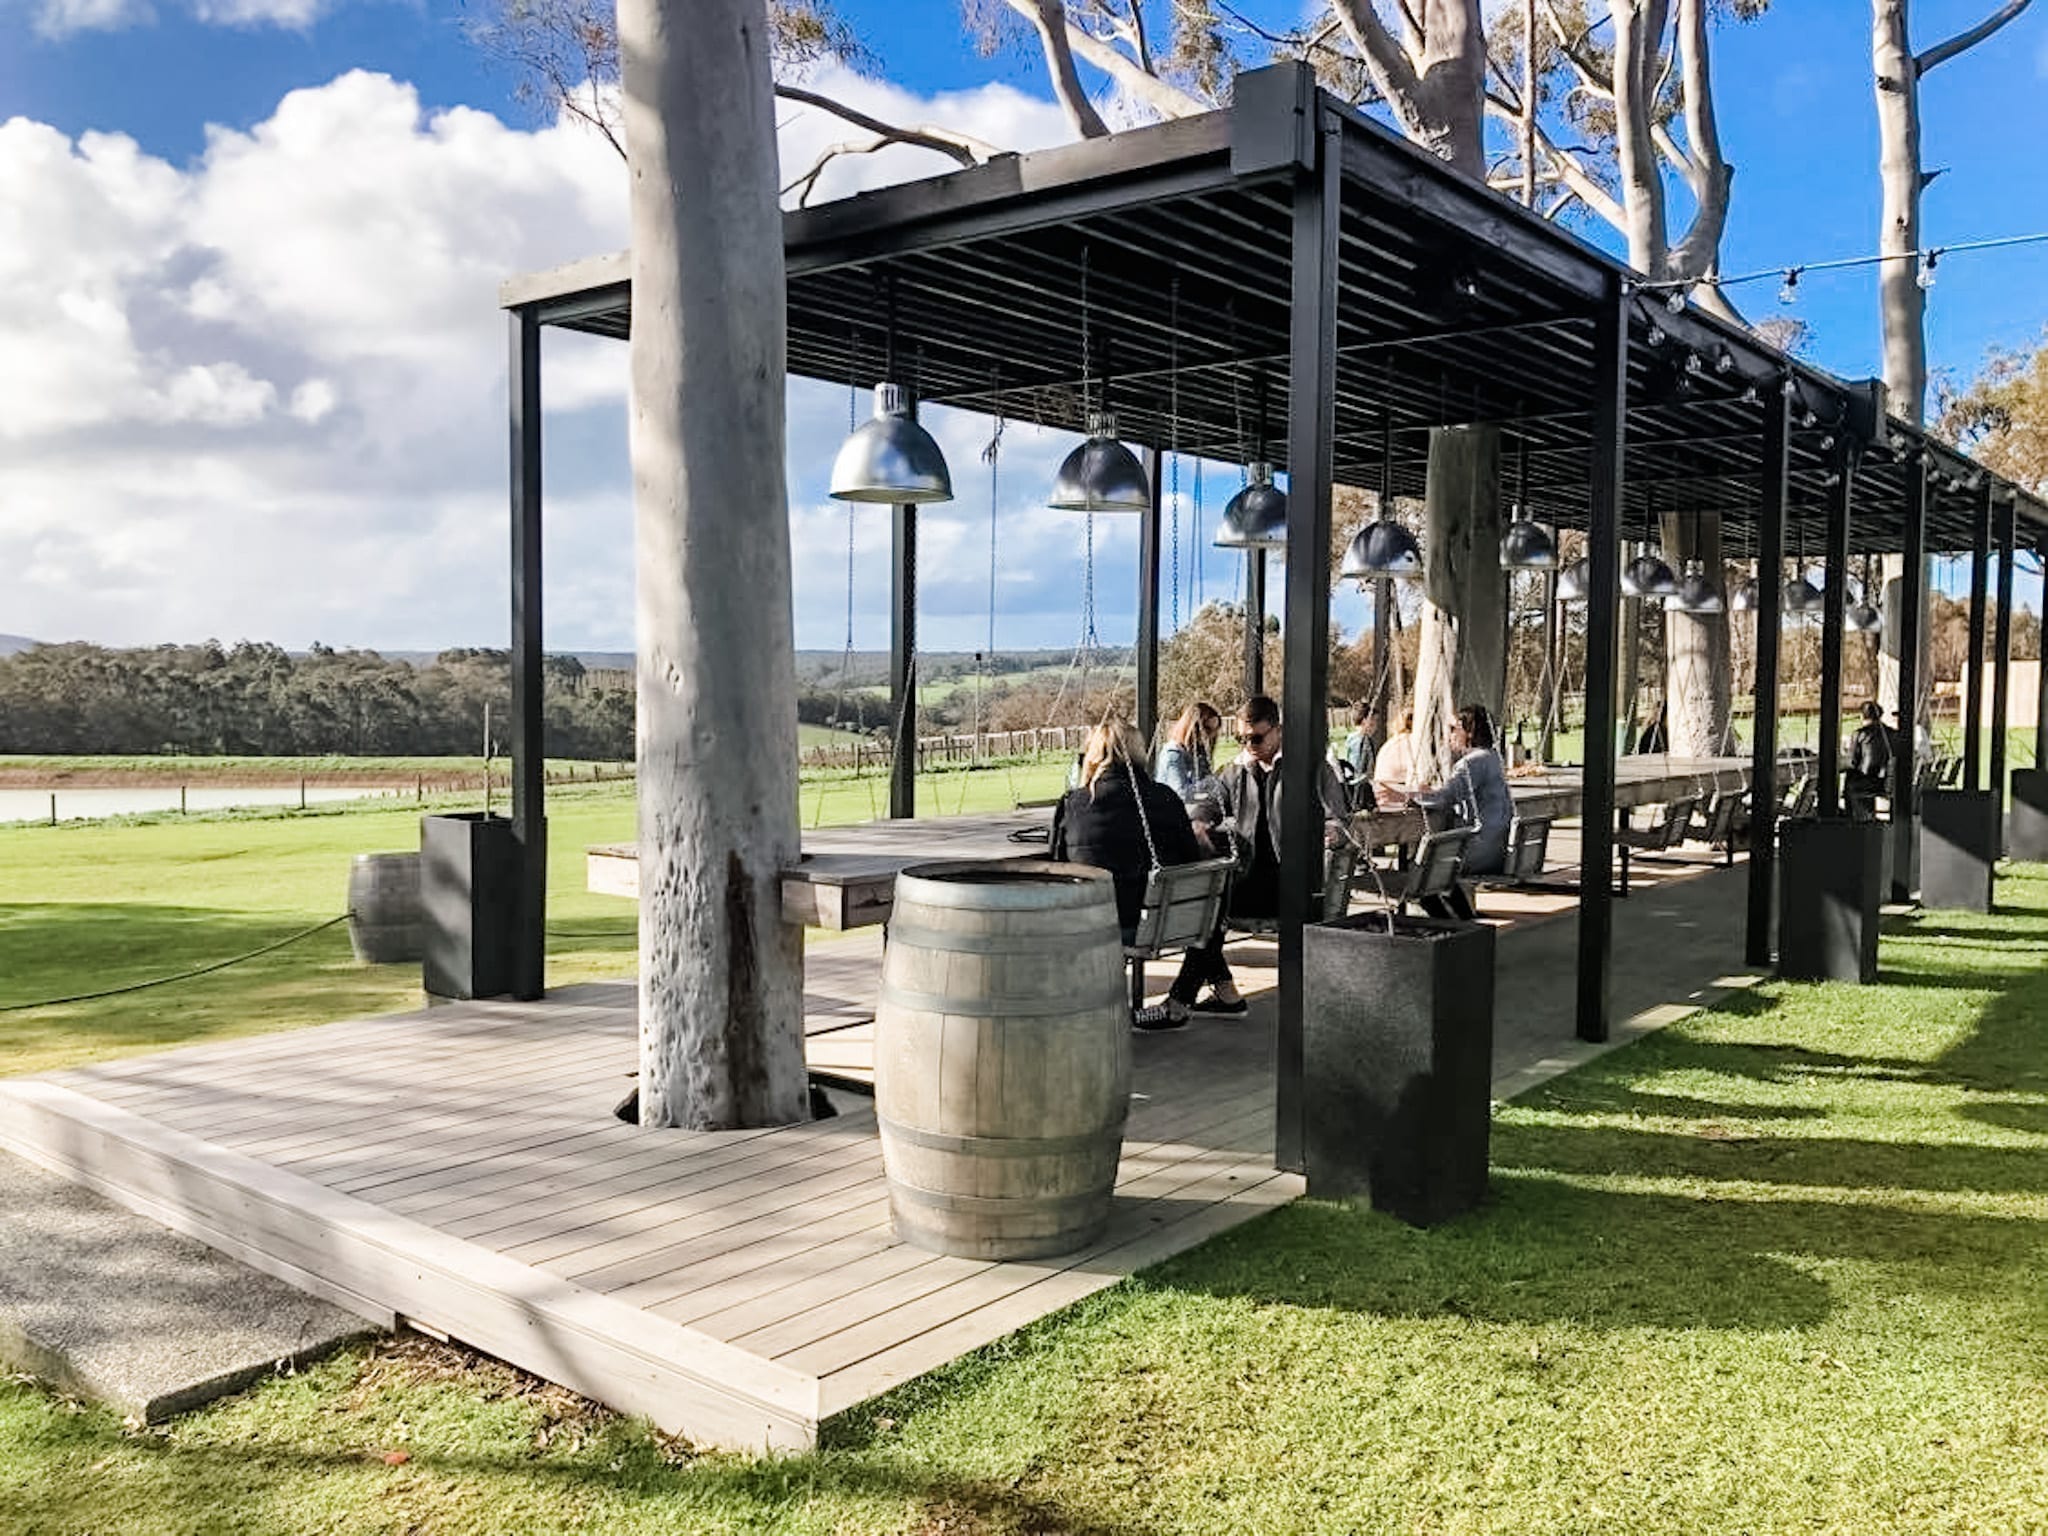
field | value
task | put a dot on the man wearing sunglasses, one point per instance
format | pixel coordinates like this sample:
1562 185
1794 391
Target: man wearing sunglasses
1249 793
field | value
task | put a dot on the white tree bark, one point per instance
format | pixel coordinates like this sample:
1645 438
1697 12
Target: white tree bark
1462 658
721 975
1697 684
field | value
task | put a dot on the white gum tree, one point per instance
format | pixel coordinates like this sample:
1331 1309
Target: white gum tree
1896 73
721 974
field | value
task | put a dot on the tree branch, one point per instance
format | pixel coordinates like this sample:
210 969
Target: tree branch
1391 67
1167 100
1712 178
960 147
1057 35
1137 35
1962 42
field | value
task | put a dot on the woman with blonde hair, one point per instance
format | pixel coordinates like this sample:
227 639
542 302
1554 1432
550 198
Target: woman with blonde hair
1116 819
1185 756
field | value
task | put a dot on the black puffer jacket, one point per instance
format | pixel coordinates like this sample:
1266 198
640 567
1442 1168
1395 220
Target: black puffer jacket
1100 826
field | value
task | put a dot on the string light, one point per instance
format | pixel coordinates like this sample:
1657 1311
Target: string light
1789 294
1925 259
1926 276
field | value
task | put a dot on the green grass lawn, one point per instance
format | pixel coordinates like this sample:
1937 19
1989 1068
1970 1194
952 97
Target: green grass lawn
86 906
1777 1268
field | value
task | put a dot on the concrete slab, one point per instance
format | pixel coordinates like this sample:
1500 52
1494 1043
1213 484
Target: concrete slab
105 1304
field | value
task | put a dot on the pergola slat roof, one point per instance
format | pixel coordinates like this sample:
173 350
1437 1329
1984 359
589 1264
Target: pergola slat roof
1455 307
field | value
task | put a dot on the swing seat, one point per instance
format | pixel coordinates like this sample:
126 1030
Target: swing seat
1182 905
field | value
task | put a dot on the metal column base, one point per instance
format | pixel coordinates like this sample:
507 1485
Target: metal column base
1958 848
1398 1063
1830 871
2026 822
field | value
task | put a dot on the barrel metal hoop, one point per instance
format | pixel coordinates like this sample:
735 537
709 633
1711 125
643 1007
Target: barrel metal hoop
1002 1146
1055 1206
985 1007
942 941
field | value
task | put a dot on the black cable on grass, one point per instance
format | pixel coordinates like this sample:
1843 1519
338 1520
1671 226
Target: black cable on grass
160 981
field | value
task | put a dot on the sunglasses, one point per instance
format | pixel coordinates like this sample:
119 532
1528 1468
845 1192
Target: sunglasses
1256 738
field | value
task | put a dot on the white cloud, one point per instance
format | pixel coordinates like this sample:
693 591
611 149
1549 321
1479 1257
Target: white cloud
61 18
263 394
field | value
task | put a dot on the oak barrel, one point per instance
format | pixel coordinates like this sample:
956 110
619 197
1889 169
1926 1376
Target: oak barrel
1002 1057
384 908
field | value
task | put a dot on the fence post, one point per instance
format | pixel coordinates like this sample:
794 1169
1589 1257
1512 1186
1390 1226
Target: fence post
53 807
302 793
181 799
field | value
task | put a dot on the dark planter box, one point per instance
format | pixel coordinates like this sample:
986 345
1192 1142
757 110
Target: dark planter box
1397 1044
1830 875
1958 847
469 866
2026 822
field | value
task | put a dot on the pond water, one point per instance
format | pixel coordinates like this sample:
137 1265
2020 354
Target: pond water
86 804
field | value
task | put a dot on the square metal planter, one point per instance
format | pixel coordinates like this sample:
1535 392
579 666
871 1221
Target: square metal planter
2026 822
1397 1043
1831 873
1958 848
469 866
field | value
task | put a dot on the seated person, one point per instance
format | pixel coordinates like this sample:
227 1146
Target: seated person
1185 755
1249 795
1396 773
1870 765
1362 746
1475 795
1104 822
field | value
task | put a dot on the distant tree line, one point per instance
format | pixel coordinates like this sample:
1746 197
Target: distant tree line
258 699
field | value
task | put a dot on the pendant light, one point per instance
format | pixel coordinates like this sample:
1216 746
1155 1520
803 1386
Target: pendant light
1383 547
1101 475
1801 596
1863 616
1256 517
1525 544
1648 576
1695 593
890 458
1575 581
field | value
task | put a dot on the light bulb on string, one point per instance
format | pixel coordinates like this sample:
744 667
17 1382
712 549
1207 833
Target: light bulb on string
1925 277
1789 293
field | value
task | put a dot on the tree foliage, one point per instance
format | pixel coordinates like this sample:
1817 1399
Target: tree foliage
2001 416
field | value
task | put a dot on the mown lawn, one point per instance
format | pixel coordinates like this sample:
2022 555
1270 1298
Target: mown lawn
1777 1268
88 906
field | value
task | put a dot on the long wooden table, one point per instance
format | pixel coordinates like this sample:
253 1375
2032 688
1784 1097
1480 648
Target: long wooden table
848 875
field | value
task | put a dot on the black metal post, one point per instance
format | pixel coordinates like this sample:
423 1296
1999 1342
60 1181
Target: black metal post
1603 554
2001 666
1912 598
2041 674
1148 602
1763 745
1255 620
903 660
1383 592
1546 692
1311 430
1973 668
529 748
1834 603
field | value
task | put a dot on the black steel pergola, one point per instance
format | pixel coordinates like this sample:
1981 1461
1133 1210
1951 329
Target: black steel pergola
1289 250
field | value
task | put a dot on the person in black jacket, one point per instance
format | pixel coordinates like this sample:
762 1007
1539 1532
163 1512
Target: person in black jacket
1099 823
1870 765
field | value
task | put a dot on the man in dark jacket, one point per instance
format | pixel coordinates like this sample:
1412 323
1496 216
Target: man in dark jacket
1870 765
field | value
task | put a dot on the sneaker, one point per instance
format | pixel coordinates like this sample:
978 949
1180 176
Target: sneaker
1160 1017
1232 1006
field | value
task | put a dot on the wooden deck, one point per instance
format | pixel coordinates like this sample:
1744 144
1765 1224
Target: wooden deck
461 1169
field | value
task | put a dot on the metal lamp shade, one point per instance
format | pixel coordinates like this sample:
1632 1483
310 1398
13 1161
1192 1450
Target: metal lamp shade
1802 596
1101 475
1747 597
1256 517
1696 594
1648 576
1526 545
1864 619
1575 581
890 458
1382 548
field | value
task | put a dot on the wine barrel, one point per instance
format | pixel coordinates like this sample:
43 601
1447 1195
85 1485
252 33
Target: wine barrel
384 908
1002 1057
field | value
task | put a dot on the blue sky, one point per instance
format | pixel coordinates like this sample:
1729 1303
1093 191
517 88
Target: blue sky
263 421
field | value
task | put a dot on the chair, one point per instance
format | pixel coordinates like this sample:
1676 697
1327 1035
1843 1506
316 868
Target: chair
1952 774
1181 907
1528 848
1665 833
1719 831
1438 859
1801 801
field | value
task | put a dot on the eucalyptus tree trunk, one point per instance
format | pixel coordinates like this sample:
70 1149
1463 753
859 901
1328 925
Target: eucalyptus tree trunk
1902 303
1697 675
721 975
1463 654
